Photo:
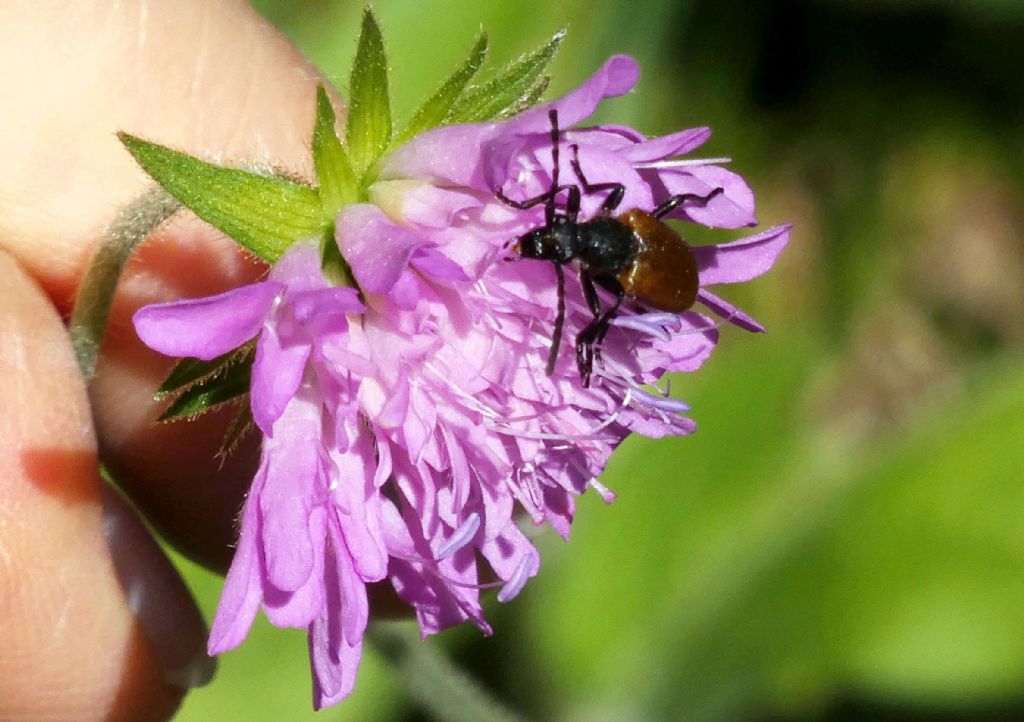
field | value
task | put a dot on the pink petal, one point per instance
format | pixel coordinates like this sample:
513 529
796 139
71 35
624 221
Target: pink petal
438 266
741 260
299 269
357 508
667 145
732 208
300 607
729 312
288 495
205 328
335 637
242 592
376 249
276 374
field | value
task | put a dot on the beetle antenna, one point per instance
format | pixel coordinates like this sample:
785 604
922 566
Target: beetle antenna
549 207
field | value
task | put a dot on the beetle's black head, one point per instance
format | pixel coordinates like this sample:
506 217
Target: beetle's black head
556 242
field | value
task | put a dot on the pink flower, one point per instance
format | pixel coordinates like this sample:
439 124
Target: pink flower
406 426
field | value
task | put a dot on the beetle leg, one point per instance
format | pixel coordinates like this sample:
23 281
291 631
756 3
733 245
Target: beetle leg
572 204
588 341
590 292
613 199
677 200
536 201
556 336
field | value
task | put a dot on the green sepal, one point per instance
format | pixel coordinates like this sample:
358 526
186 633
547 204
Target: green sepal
333 265
532 96
338 183
506 93
368 131
240 425
203 384
436 109
190 370
231 384
265 214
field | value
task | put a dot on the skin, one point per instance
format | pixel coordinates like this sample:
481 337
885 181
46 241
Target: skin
96 623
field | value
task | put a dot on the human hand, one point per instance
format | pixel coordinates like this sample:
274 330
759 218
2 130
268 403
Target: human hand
96 623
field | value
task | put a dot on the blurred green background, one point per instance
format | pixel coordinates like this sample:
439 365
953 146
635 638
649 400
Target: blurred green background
842 538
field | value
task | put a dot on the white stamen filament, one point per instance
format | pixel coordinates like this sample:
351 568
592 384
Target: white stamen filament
606 494
461 537
681 162
517 581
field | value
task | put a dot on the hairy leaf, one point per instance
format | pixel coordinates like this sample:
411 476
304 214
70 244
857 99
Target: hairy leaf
434 111
264 214
368 131
338 183
190 370
204 395
505 94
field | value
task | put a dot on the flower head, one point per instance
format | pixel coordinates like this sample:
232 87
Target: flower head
407 424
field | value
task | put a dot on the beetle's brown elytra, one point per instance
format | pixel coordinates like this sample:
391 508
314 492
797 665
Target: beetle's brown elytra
663 274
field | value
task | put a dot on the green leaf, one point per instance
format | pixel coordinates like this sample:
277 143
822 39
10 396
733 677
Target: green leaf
433 112
506 93
531 98
264 214
338 183
189 370
199 398
369 114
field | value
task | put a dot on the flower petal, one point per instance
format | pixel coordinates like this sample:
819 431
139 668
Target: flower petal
276 374
302 606
741 260
242 592
376 249
733 208
287 499
205 328
666 146
729 312
420 202
335 638
299 268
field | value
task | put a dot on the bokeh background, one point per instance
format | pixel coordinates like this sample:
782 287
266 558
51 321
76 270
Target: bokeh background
842 539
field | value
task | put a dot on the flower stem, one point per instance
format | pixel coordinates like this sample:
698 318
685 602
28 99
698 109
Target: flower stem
444 691
96 294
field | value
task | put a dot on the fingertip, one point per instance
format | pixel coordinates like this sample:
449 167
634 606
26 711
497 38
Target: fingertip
76 641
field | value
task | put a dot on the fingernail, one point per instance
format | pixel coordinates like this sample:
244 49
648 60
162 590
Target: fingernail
155 592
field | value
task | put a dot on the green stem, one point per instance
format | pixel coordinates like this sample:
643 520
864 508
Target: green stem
445 692
96 294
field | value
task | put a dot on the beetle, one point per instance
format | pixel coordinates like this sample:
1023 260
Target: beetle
632 255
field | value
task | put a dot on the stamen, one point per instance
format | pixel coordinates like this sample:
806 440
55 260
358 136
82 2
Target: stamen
681 162
462 536
606 494
517 581
642 325
662 402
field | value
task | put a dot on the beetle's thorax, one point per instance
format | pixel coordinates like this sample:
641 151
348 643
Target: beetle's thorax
607 246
